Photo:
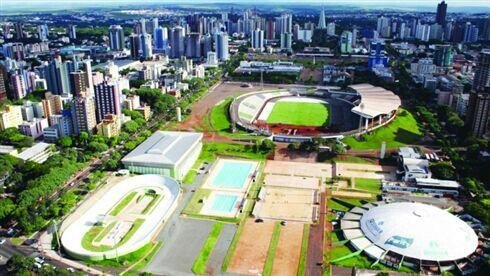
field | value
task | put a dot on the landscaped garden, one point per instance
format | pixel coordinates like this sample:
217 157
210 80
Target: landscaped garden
403 130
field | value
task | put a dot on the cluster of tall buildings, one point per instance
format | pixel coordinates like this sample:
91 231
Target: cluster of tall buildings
192 39
439 29
78 101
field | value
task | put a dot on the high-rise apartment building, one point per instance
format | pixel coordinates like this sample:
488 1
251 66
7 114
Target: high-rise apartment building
258 40
116 38
222 46
441 13
177 42
479 103
107 99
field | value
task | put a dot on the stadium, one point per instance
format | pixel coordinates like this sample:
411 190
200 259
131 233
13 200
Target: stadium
123 218
302 111
416 235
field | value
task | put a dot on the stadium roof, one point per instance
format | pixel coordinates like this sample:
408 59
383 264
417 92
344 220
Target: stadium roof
419 231
165 148
375 101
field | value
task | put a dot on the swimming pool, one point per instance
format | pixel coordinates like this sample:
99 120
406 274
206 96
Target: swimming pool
223 203
232 174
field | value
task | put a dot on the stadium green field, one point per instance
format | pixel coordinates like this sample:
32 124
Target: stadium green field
299 113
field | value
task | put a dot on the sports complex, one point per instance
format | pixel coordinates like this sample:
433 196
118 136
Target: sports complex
415 235
312 111
123 219
229 182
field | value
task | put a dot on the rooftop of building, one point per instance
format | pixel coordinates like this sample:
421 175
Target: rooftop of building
163 148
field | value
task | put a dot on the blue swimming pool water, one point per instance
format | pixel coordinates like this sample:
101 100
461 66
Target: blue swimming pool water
232 175
223 203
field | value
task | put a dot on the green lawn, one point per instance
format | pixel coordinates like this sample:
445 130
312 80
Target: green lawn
304 251
104 232
360 261
212 150
403 130
143 262
219 118
152 203
97 232
194 206
299 113
344 204
199 266
369 185
122 204
352 159
125 260
271 253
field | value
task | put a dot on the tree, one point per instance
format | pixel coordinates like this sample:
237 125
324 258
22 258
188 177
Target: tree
20 264
130 127
97 147
7 206
443 170
65 142
267 145
130 145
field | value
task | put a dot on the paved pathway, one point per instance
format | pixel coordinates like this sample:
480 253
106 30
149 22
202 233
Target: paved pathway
182 238
217 257
314 259
179 253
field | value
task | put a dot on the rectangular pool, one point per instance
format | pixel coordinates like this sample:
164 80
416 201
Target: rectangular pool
223 203
232 174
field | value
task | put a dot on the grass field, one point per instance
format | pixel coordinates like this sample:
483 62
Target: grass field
403 130
299 113
199 266
127 260
144 261
304 251
122 204
97 232
220 118
152 203
194 206
369 185
271 253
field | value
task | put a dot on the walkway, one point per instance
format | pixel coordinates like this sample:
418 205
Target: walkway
314 260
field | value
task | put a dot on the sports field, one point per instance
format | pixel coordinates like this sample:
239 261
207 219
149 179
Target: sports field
299 113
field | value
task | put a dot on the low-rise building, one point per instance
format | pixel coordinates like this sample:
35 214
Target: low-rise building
51 134
145 111
10 116
165 152
430 186
411 165
110 126
283 67
38 153
34 128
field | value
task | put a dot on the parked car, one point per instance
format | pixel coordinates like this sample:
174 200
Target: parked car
39 260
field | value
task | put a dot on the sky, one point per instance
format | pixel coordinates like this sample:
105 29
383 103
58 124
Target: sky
328 2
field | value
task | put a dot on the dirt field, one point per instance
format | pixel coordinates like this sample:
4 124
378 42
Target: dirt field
288 250
283 154
294 168
365 171
292 181
202 107
286 204
251 251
